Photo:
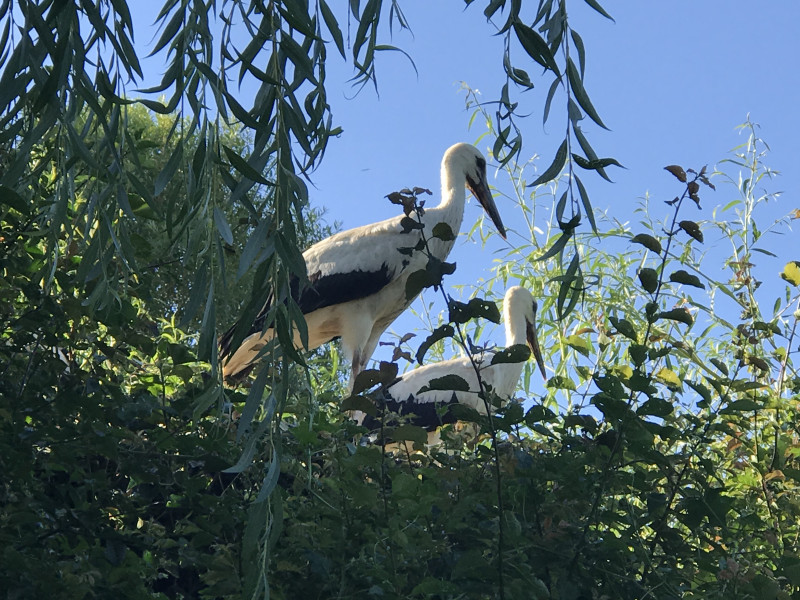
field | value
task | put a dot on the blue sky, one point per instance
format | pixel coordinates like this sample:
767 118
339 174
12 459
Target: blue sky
671 80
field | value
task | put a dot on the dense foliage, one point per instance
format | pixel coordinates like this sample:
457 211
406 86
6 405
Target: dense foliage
660 462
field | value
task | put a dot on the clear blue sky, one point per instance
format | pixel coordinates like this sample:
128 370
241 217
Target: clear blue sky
671 80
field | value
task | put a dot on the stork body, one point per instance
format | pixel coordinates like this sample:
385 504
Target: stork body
357 278
405 398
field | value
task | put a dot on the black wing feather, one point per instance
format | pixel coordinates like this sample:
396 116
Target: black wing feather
423 414
322 291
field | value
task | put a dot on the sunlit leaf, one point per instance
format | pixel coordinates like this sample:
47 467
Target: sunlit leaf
668 377
791 272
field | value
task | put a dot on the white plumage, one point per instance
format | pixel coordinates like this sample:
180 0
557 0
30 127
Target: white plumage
357 278
519 314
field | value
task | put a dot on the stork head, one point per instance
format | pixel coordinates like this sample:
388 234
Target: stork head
468 159
519 301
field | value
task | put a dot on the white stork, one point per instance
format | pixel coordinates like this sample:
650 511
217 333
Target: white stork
357 278
405 398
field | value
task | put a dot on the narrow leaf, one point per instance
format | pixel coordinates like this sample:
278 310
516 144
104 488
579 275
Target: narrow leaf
580 93
222 226
555 168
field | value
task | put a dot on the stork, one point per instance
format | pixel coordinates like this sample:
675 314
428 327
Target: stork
405 397
357 278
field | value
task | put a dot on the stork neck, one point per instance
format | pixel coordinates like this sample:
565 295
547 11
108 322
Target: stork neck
515 328
454 194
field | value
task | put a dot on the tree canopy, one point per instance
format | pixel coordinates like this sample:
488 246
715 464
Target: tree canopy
660 462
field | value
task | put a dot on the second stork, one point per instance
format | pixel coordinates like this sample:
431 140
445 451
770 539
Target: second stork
425 407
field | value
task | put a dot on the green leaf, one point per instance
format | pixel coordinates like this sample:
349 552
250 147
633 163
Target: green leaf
649 279
587 205
440 333
333 27
243 167
723 368
410 433
693 229
596 6
416 282
578 41
517 353
11 198
648 241
536 47
476 308
685 278
222 226
580 93
625 327
557 246
444 232
166 174
570 286
597 164
681 315
446 383
555 167
369 378
170 31
359 402
581 344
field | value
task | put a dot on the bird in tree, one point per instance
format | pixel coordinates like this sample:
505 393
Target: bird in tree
413 395
357 278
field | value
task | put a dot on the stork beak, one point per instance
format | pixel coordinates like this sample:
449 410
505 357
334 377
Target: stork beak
533 342
481 191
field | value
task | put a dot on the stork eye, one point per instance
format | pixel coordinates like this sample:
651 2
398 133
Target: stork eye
481 163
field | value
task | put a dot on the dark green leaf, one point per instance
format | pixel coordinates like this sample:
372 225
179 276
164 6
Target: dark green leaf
169 170
243 167
685 278
513 354
555 167
476 308
625 327
648 241
587 206
649 279
580 93
444 232
222 226
359 402
657 407
410 433
536 47
681 315
693 229
446 383
596 5
557 247
333 27
440 333
11 198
